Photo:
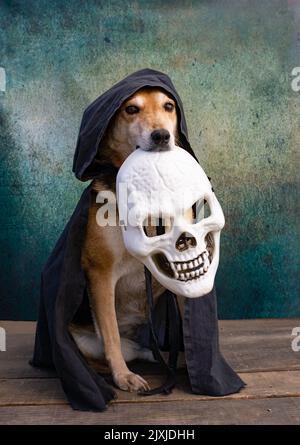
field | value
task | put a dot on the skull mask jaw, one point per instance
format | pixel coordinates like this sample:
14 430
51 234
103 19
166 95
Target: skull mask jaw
165 188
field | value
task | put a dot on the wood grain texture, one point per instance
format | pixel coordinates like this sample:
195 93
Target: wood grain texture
282 411
15 392
259 349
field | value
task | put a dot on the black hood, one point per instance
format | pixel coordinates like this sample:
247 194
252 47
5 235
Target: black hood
97 116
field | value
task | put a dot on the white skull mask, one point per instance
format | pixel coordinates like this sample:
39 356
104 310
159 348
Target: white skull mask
158 193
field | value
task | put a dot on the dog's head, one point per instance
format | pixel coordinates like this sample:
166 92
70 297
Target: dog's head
147 120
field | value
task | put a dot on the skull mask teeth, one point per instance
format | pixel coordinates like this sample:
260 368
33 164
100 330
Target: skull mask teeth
191 269
181 250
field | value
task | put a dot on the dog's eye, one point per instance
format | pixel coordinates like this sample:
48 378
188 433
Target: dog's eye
169 106
132 109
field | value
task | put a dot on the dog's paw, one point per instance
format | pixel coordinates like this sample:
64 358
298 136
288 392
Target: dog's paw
128 381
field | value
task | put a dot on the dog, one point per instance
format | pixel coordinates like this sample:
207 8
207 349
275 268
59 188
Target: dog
116 284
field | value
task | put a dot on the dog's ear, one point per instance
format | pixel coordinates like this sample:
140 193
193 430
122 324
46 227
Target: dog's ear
103 155
177 134
102 163
178 141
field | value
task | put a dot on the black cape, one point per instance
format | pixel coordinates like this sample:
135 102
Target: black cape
64 288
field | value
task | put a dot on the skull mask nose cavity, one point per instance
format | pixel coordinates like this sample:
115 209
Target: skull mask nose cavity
184 241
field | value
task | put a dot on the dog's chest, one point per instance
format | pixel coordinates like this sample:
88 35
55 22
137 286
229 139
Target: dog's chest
130 294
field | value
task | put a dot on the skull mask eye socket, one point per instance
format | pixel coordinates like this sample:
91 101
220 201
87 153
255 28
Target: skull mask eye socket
157 225
199 210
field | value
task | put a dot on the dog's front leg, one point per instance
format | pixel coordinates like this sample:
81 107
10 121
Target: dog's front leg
102 295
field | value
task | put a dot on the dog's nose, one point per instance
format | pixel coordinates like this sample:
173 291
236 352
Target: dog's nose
160 137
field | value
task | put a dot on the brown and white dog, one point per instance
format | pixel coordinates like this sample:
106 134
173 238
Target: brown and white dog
148 120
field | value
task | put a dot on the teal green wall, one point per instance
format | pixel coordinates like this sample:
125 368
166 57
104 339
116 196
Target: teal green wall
231 62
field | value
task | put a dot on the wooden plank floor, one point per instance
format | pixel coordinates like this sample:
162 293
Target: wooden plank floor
259 350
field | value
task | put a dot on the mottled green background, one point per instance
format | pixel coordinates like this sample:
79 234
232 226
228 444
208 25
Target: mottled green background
231 62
